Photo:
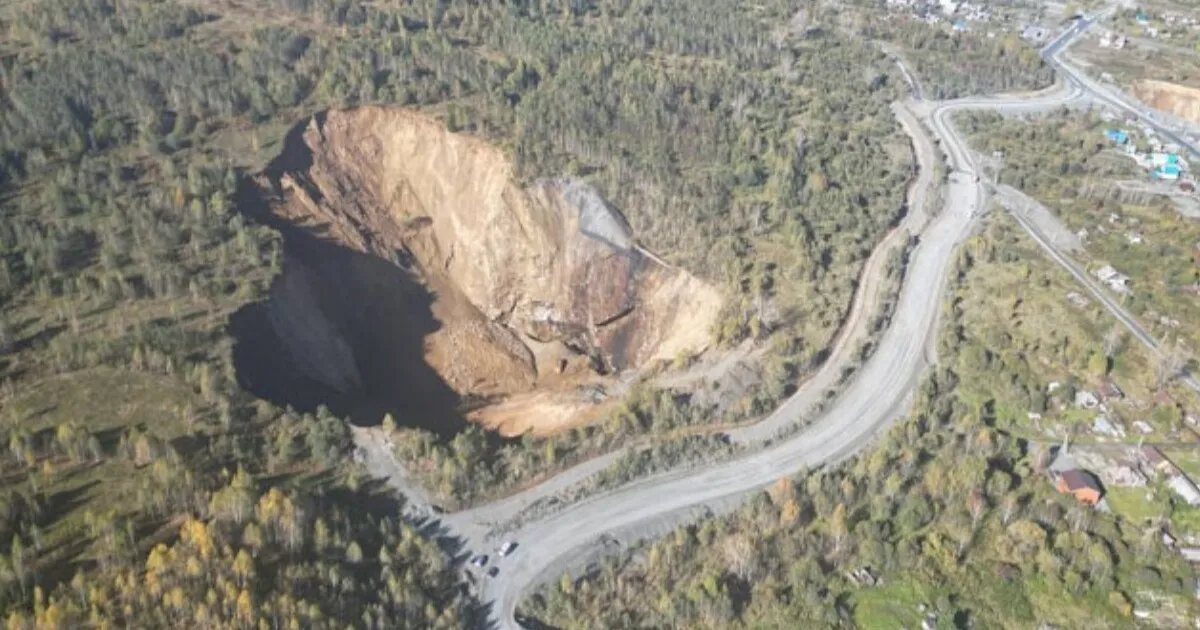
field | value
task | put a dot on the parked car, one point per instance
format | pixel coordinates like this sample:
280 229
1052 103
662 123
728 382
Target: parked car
507 548
479 560
493 572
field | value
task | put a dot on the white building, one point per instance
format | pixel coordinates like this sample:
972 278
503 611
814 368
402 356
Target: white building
1116 280
1104 426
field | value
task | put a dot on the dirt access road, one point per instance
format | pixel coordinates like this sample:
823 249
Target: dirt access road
376 452
879 395
478 523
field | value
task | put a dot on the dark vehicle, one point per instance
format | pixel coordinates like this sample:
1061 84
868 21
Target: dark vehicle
493 572
480 560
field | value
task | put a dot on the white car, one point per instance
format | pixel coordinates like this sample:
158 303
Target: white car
506 548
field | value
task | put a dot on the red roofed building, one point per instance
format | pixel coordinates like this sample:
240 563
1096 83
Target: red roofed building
1082 484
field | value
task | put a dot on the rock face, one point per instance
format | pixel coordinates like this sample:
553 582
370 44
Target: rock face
1179 100
532 289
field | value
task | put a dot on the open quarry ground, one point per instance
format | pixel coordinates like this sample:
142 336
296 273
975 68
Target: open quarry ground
1165 78
1177 100
422 280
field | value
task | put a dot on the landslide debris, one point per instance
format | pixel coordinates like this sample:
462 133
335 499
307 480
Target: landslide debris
526 303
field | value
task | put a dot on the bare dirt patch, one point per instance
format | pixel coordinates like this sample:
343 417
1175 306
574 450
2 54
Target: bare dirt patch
413 250
1179 100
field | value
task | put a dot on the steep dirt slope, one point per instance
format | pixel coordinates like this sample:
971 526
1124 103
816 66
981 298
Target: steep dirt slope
533 292
1182 101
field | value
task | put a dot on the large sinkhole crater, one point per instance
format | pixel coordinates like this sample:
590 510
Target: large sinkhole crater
421 279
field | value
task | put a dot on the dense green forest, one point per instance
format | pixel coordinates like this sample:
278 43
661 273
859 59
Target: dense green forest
952 514
142 474
953 64
761 159
764 160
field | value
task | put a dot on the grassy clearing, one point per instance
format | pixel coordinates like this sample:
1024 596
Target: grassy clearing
1016 316
1135 504
892 605
1064 161
1187 459
1139 61
106 400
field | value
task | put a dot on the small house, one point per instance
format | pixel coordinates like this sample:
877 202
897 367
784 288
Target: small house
1165 159
1086 399
1167 173
1116 280
1104 426
1082 484
1117 135
1156 460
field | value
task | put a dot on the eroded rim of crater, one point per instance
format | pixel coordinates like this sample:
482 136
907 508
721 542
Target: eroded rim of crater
418 267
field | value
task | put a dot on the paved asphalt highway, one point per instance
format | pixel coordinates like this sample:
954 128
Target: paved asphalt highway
1053 54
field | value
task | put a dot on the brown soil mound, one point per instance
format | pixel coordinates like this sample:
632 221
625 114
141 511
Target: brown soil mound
538 296
1178 100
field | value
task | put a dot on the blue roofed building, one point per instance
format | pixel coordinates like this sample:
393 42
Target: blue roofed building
1117 135
1169 171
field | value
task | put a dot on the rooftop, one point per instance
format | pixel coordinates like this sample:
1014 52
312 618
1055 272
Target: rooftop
1079 479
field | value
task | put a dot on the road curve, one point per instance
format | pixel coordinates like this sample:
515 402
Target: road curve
1053 54
879 395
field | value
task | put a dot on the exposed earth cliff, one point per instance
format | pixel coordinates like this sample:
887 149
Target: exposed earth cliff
526 303
1179 100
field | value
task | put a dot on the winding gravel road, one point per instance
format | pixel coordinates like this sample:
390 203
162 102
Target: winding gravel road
880 394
